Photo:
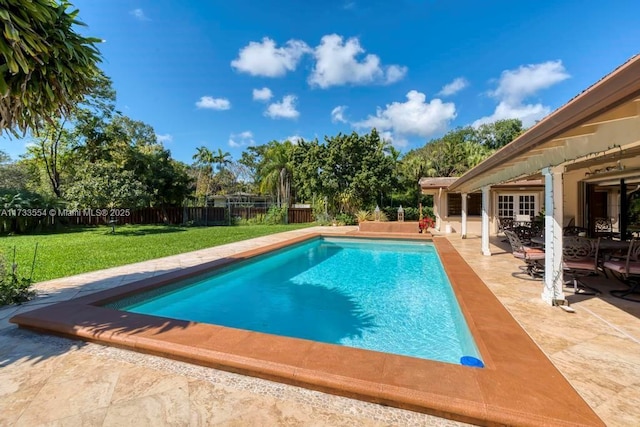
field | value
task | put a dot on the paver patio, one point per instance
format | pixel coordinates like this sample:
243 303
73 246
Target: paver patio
56 381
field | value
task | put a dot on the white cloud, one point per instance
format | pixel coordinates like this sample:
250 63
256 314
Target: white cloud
454 87
139 14
294 139
416 116
241 139
164 138
514 86
529 114
286 109
263 94
394 139
395 73
265 59
213 103
337 64
337 114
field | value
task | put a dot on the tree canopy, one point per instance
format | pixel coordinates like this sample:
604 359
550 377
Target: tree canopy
46 67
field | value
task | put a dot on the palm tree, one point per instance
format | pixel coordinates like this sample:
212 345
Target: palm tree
222 159
204 158
276 171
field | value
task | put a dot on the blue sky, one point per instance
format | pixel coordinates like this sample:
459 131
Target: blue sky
227 74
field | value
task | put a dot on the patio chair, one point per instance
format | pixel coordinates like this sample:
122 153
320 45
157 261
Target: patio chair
628 270
572 230
533 257
580 259
603 228
504 223
524 234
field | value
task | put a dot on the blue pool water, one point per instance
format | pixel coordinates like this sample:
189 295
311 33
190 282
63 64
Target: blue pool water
389 296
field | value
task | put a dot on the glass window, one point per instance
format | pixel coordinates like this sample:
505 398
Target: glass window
505 206
474 204
527 205
510 205
454 204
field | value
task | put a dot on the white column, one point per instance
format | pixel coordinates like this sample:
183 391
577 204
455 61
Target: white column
553 201
463 232
438 209
485 221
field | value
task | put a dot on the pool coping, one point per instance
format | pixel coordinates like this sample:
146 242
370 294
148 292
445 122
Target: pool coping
518 386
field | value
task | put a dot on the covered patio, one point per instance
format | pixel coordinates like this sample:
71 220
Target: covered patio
588 154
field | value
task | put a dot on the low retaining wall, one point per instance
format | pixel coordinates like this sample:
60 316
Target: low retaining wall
406 227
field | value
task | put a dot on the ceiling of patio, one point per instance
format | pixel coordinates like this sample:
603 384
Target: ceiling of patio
599 127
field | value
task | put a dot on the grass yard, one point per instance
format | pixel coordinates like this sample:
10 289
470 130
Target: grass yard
81 250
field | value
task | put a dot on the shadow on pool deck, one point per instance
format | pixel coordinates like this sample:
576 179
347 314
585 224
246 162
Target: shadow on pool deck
519 385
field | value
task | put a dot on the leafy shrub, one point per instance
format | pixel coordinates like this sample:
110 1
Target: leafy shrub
13 288
411 214
256 220
428 211
323 219
345 219
390 212
275 215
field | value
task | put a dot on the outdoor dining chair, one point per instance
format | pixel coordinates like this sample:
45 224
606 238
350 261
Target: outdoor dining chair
533 257
573 230
580 259
628 270
524 233
603 228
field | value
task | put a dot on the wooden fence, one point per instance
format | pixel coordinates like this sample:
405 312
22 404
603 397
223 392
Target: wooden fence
300 215
184 215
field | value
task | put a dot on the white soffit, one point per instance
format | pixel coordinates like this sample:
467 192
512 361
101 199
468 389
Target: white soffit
616 129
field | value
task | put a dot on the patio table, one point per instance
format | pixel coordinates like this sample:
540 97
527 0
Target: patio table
539 240
613 245
605 244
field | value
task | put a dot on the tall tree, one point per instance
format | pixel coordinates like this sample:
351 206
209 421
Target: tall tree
53 141
498 134
46 68
276 170
222 159
204 159
352 170
13 176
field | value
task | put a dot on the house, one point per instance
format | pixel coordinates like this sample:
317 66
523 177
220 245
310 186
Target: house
507 200
587 154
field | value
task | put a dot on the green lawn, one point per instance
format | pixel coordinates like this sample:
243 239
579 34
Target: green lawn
81 250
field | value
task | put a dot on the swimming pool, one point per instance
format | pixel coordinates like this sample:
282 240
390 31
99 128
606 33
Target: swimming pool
384 295
515 366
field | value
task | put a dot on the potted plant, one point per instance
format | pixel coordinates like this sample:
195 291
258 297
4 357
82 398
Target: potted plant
425 223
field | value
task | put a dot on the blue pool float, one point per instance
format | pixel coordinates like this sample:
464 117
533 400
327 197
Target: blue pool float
471 361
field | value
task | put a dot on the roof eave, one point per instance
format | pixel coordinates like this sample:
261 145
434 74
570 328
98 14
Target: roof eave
620 86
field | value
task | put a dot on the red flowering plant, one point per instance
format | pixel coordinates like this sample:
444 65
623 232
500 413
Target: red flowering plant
425 223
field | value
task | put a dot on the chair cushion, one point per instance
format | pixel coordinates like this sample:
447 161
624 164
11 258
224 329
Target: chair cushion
583 264
620 266
535 255
528 250
634 268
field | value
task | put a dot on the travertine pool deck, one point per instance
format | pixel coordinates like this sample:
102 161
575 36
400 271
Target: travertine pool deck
114 385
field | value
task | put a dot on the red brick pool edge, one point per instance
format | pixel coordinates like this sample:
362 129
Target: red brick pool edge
518 386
